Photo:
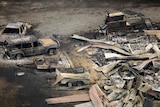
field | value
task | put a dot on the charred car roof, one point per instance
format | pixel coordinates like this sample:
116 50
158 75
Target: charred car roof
116 14
29 38
14 25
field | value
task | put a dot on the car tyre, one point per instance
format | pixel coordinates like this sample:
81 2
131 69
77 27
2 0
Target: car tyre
69 84
4 57
52 51
79 83
19 56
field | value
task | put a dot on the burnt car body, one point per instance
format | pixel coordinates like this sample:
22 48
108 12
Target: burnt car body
29 46
121 22
14 30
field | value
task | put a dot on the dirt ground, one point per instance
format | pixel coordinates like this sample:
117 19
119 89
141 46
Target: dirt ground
59 17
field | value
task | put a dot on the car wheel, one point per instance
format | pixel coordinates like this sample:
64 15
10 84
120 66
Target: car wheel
4 57
52 51
79 83
39 61
19 56
69 84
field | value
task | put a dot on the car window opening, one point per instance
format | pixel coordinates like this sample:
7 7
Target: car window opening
26 45
11 30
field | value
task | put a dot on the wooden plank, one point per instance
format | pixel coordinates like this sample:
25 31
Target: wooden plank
58 77
75 36
85 75
95 98
115 48
61 76
112 55
99 98
153 32
107 68
83 48
131 57
88 104
47 66
157 51
68 59
144 63
67 99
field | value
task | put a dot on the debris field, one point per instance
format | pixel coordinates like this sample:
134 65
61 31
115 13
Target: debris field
116 65
124 68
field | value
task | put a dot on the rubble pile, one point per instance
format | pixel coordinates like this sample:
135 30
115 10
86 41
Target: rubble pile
126 64
132 72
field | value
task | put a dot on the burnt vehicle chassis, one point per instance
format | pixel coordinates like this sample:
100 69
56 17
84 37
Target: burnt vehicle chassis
120 22
29 46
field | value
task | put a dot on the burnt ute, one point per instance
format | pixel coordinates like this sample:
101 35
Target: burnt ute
14 30
29 46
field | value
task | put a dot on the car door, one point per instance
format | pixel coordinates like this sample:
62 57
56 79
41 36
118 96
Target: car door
22 30
27 49
37 48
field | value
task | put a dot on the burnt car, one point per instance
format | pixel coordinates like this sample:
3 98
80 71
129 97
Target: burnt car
29 46
120 21
14 30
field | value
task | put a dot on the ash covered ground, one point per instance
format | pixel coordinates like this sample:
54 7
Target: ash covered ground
62 18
